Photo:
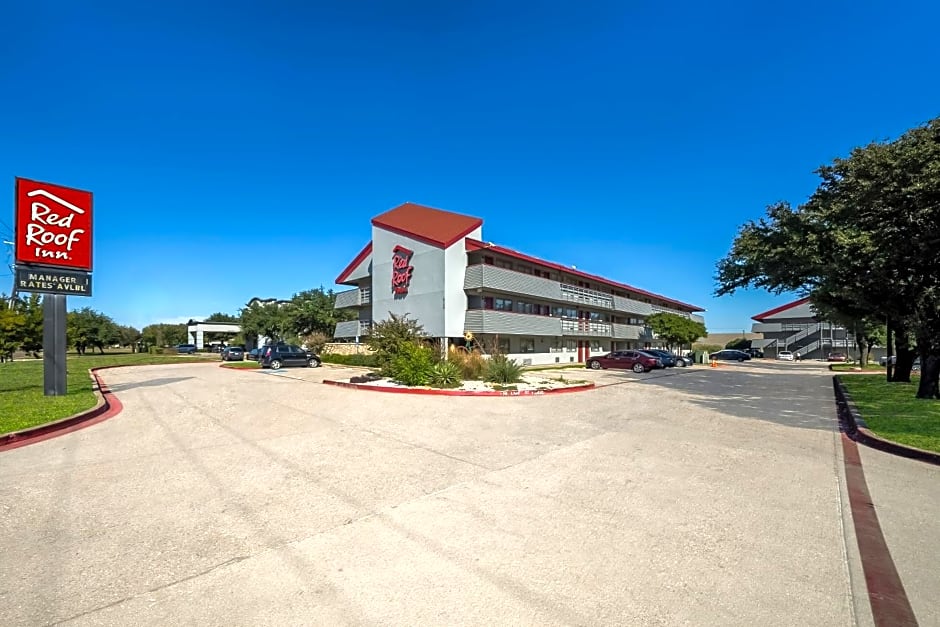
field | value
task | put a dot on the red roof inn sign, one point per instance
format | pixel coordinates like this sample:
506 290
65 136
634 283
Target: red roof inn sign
401 269
53 225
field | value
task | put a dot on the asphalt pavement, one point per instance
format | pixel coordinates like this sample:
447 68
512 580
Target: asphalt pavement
699 496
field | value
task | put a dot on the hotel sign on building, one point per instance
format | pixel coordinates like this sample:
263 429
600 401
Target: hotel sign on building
435 266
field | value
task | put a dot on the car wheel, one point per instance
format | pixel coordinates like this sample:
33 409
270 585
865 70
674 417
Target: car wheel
681 363
638 368
740 361
313 363
594 365
275 364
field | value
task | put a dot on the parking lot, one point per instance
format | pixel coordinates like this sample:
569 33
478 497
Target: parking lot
220 497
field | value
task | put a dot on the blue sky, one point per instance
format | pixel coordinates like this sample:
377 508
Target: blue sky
628 139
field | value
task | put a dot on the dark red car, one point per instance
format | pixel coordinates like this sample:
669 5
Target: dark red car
836 357
637 361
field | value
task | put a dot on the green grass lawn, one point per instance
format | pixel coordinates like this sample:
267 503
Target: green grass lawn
891 411
23 404
241 365
851 367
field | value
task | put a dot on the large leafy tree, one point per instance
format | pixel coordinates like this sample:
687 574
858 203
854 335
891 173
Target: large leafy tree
863 246
12 322
676 330
311 311
266 319
87 328
128 336
163 334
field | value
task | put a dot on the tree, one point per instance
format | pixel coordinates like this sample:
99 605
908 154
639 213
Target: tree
128 336
676 330
222 317
265 319
312 311
739 344
12 321
87 328
163 334
864 245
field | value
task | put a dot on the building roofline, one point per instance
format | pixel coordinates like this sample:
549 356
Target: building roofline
772 312
344 275
473 244
431 241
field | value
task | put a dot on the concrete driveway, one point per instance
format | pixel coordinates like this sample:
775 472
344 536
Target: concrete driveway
217 497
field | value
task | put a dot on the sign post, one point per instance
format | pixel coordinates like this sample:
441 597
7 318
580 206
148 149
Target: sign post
53 256
53 345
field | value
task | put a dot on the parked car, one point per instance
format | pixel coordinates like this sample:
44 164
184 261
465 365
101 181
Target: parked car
730 354
637 361
755 353
836 357
669 360
186 349
883 360
254 354
233 353
277 356
785 356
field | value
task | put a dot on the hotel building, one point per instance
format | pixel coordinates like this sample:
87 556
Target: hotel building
435 266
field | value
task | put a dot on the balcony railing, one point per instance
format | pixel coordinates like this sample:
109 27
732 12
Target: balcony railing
352 328
483 276
353 298
588 297
586 327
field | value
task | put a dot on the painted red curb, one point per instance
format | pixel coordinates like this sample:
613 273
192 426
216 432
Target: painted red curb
108 408
890 606
426 392
854 427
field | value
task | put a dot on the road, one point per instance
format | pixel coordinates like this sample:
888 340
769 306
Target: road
700 496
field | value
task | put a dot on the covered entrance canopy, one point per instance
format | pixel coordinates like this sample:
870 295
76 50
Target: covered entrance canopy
197 330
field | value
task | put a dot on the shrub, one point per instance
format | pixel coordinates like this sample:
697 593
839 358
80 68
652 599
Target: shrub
155 350
411 365
315 341
390 337
367 360
501 369
472 364
445 374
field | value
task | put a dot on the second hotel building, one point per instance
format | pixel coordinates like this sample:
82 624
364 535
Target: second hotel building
435 266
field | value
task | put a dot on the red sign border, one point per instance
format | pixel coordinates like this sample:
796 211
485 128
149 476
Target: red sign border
16 233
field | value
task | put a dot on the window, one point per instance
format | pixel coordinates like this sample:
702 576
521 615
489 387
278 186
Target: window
527 345
488 260
502 263
595 346
597 317
524 269
487 302
502 345
502 304
571 346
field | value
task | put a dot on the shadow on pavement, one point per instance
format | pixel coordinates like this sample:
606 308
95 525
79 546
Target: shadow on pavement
121 387
793 399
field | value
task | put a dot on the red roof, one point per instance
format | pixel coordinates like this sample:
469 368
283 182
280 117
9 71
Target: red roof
432 226
365 252
763 316
473 244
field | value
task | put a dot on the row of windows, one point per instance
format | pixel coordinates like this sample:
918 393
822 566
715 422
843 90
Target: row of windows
548 274
527 345
536 309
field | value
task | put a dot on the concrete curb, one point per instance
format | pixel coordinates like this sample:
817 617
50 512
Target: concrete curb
853 425
434 392
107 406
